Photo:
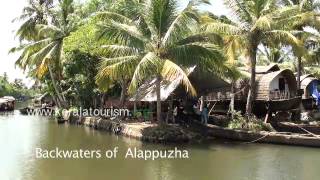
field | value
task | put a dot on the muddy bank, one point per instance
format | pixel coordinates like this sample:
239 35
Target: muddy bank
144 131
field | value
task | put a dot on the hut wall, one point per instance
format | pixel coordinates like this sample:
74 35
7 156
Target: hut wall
274 84
268 85
306 85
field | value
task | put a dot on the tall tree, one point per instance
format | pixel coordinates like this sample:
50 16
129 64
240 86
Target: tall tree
44 50
36 12
153 39
307 16
254 22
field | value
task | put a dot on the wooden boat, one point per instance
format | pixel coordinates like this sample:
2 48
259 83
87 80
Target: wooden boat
60 120
309 104
298 128
276 91
265 137
25 111
7 103
45 111
307 82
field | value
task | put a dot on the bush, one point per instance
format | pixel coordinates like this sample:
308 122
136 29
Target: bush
58 113
251 123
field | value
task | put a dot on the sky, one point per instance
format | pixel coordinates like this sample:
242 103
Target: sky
13 8
8 11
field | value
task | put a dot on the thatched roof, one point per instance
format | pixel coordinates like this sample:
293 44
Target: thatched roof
262 69
303 77
6 99
202 82
3 101
306 81
9 98
267 69
264 82
147 91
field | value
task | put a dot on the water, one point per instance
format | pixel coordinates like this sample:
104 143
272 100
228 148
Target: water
20 135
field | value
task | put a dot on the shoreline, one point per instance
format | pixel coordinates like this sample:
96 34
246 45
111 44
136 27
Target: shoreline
143 131
137 130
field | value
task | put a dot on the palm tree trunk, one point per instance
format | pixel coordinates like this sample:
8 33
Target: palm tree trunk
252 88
55 86
56 101
134 107
299 68
103 97
232 97
123 92
158 92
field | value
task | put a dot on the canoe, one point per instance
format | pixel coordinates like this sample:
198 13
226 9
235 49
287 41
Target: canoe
25 111
298 128
45 111
7 103
286 138
60 120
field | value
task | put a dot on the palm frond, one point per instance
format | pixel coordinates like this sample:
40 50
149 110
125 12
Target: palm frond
149 65
122 33
120 50
194 53
185 22
172 71
222 28
116 68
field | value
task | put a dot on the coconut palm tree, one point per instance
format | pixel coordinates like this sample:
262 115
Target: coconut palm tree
36 12
44 51
307 16
254 22
153 39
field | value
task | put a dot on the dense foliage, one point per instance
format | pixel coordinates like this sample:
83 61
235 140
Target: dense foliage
16 88
84 52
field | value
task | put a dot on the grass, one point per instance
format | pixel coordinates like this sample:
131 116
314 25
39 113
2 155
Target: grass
251 123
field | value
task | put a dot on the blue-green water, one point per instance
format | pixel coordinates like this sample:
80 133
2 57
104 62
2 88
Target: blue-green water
21 135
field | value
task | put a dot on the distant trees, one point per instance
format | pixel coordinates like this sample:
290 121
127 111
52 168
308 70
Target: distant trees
82 50
45 31
16 88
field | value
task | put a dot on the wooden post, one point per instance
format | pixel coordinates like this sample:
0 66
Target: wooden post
269 113
266 119
171 110
201 103
212 108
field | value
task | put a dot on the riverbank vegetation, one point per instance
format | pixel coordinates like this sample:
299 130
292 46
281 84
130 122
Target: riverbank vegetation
89 52
16 88
251 124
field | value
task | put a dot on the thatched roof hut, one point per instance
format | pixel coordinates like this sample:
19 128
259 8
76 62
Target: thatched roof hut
7 103
279 84
275 91
307 81
273 83
9 98
202 82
